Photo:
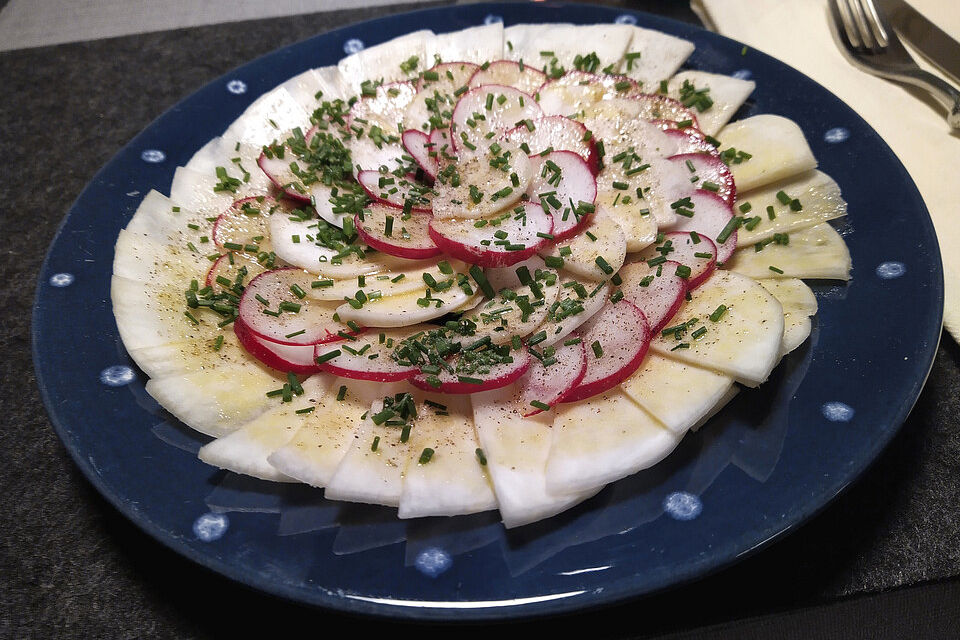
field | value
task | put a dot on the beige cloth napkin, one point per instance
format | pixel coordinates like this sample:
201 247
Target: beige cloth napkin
798 33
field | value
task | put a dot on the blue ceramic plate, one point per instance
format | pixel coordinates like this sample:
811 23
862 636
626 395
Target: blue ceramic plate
767 462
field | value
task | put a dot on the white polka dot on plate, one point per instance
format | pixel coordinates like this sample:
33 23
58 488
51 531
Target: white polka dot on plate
626 18
61 279
237 87
210 526
153 156
353 45
492 19
681 505
742 74
837 134
433 561
890 270
837 411
117 375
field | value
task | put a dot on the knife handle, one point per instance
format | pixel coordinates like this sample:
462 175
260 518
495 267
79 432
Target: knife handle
941 90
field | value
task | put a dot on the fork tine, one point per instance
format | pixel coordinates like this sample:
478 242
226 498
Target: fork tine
860 19
842 10
876 23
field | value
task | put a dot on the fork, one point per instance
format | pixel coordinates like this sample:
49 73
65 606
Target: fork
874 47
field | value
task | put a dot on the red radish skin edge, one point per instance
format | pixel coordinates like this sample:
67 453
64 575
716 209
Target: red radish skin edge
365 176
236 203
568 386
456 387
415 142
257 347
372 376
412 253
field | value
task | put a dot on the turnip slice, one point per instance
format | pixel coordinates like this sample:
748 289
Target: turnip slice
708 173
577 90
322 198
508 106
777 148
238 158
504 240
798 304
636 217
616 339
292 358
596 253
315 451
199 192
382 61
711 217
395 191
162 220
246 449
726 94
509 74
435 95
562 182
189 356
547 384
299 320
817 198
658 296
603 439
474 44
418 145
816 252
263 120
515 449
660 56
451 481
389 230
407 309
744 340
137 257
389 280
352 358
314 245
516 310
566 44
697 253
245 225
559 134
468 378
576 303
675 393
482 183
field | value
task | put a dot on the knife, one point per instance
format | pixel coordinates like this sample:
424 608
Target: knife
929 39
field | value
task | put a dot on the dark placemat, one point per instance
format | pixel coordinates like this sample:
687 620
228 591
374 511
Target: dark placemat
71 566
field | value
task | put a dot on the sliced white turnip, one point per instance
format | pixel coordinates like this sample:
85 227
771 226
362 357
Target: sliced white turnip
368 357
383 61
436 95
474 371
501 241
577 302
799 303
708 173
509 74
658 296
696 255
616 340
245 225
816 252
577 90
764 149
293 358
318 247
550 377
566 45
399 276
490 109
396 191
418 145
713 218
788 206
231 266
329 207
267 118
412 307
287 164
482 183
715 97
563 184
653 56
557 133
473 44
597 252
395 233
273 308
731 324
517 309
207 194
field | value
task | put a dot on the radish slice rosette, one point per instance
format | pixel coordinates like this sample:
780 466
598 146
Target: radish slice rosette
616 340
565 188
500 241
275 307
292 358
390 230
555 373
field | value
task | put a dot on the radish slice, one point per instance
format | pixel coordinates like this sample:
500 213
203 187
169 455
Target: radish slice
616 340
384 109
394 191
280 170
547 384
698 254
391 231
559 134
229 266
467 378
689 140
562 182
517 310
314 245
578 302
293 358
353 359
238 228
510 74
418 145
402 276
508 106
596 256
502 241
299 320
710 171
436 95
459 74
577 90
711 215
658 296
484 182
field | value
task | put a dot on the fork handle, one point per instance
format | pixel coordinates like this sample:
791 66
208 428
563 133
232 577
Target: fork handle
941 90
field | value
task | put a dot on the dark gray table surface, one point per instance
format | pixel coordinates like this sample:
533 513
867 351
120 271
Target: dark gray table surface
71 566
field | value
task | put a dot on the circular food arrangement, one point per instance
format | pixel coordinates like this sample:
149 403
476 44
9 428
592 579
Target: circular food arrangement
487 269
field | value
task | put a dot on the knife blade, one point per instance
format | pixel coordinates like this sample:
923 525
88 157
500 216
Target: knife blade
927 38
